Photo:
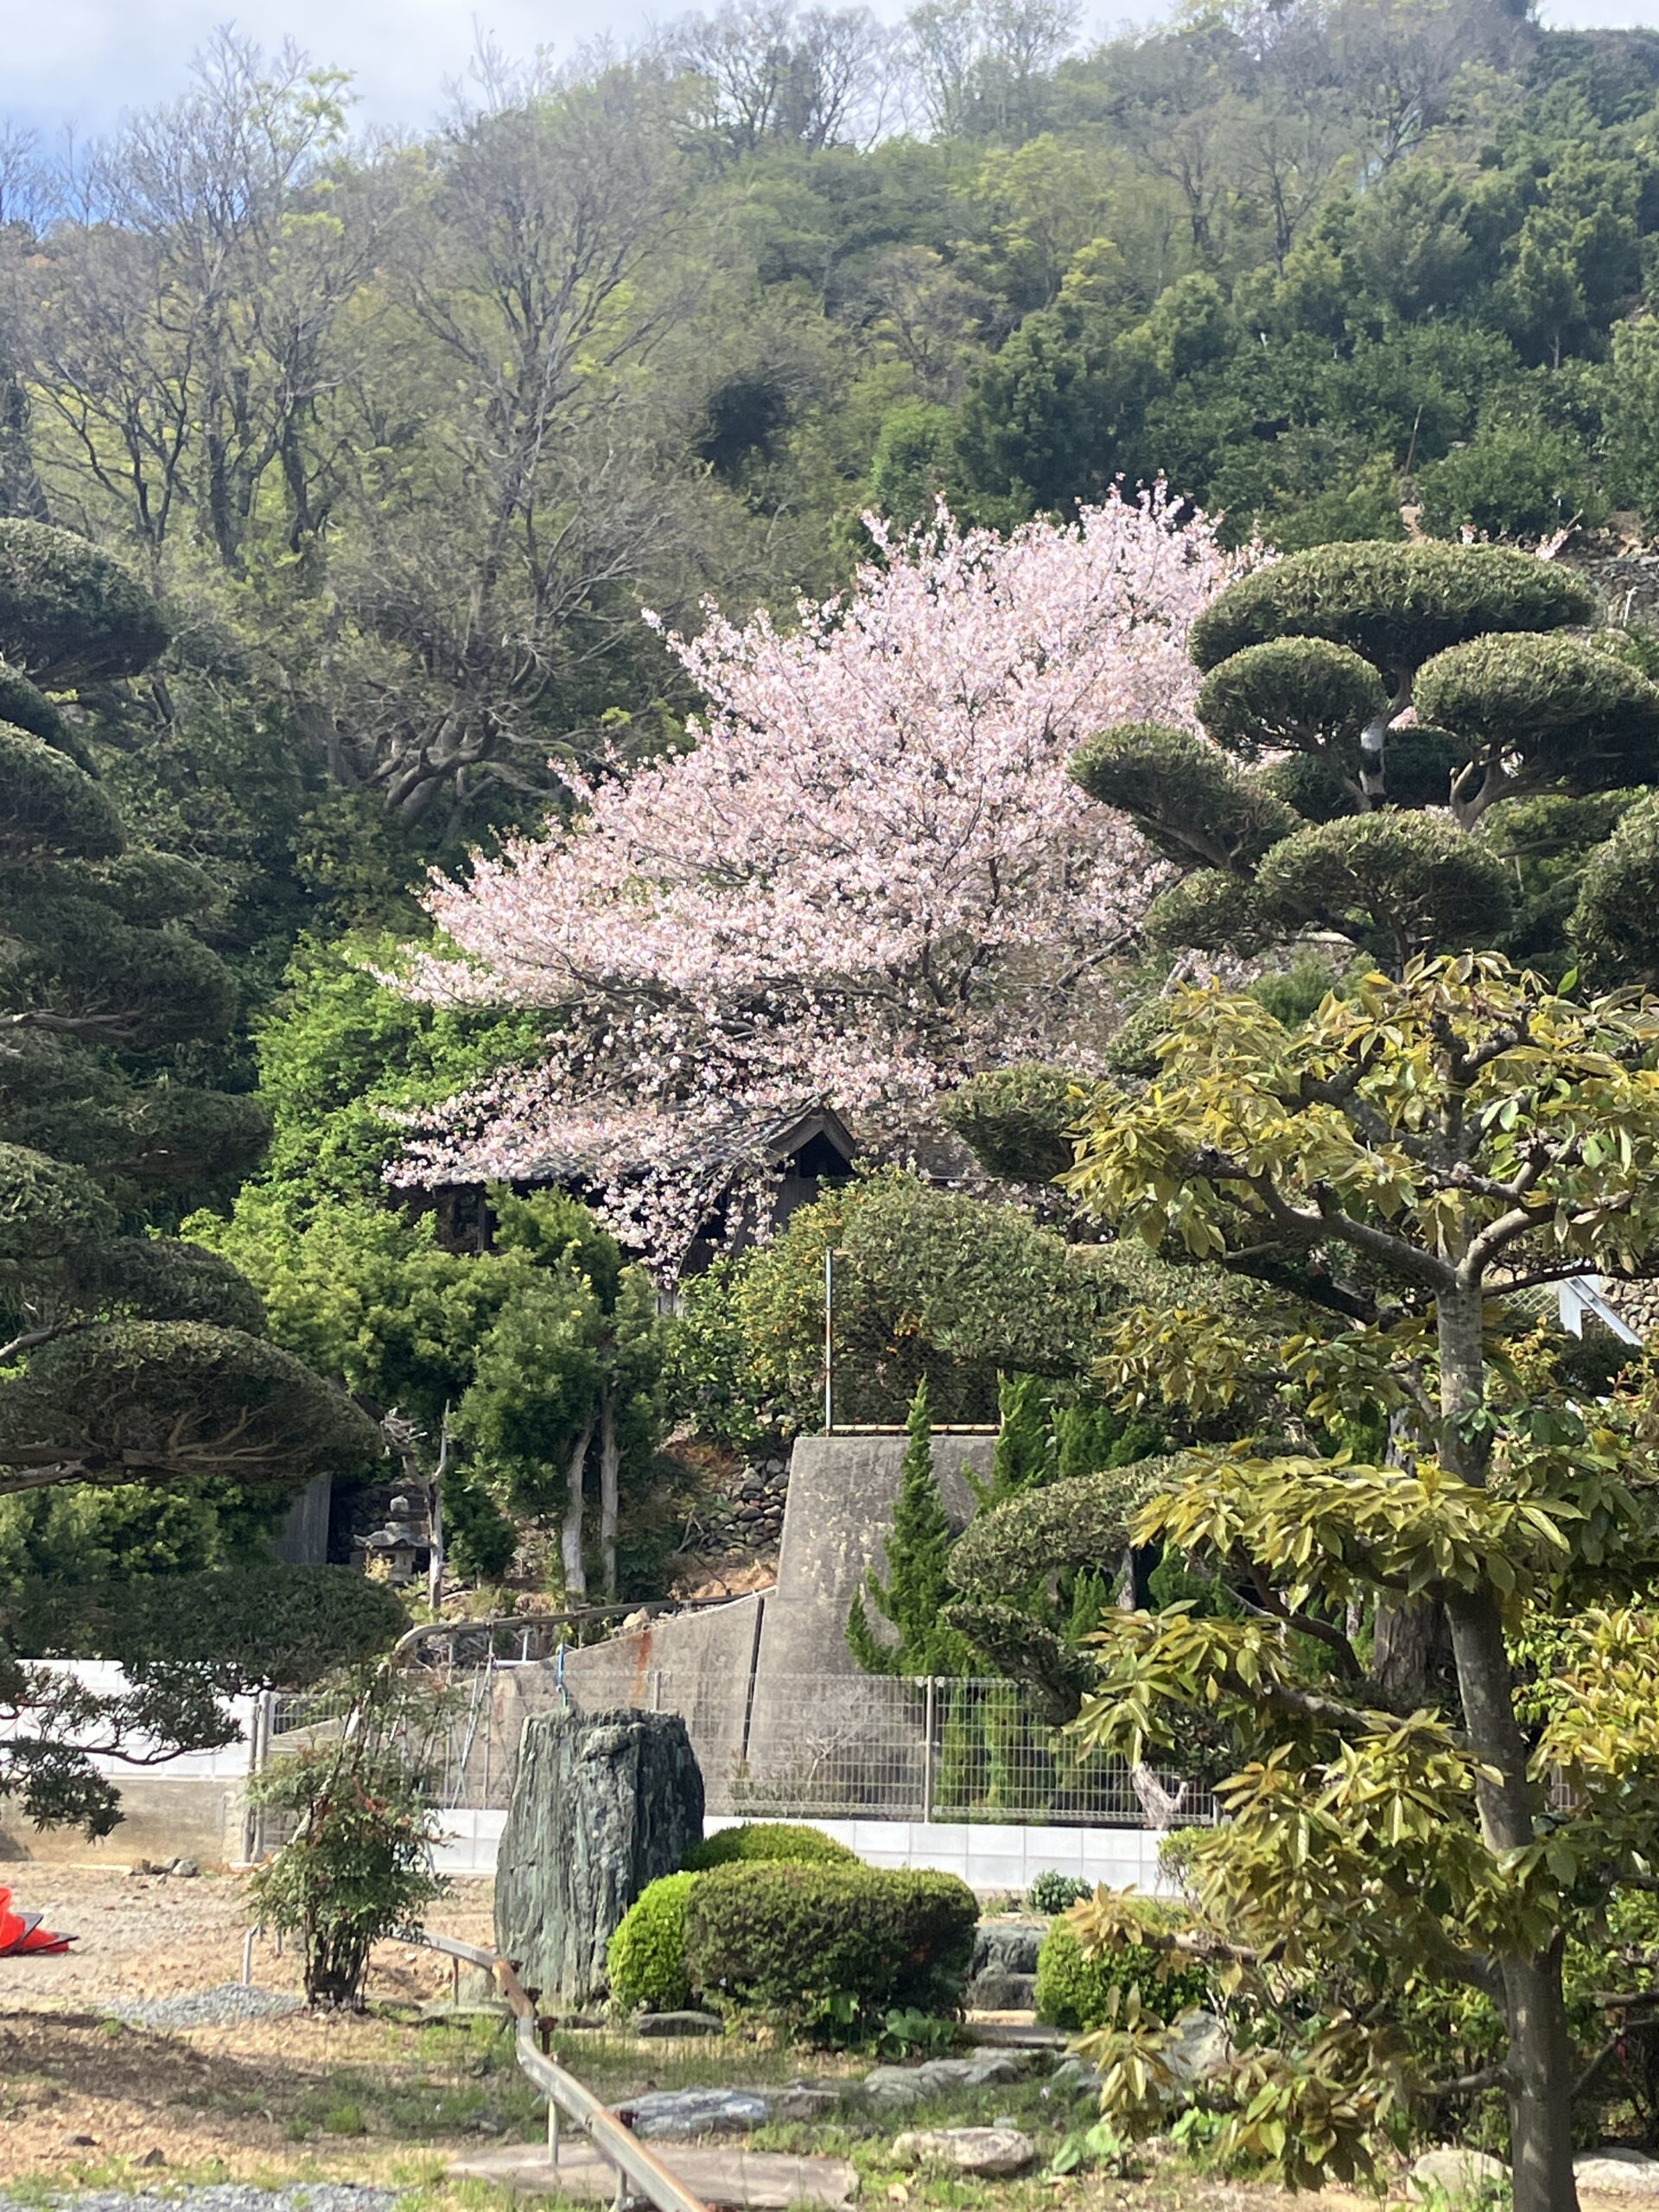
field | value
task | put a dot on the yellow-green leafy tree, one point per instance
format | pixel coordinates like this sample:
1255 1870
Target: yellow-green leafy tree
1459 1138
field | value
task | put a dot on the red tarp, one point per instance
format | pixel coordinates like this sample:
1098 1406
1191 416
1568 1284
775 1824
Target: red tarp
21 1934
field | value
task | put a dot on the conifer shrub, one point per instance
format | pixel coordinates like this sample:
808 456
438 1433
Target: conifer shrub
1078 1993
645 1958
778 1842
824 1949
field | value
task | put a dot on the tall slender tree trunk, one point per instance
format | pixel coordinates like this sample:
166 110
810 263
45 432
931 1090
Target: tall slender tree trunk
1541 2084
1539 2061
610 1471
570 1531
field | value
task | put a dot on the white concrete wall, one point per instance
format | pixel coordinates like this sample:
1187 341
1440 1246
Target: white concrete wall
987 1857
104 1678
468 1842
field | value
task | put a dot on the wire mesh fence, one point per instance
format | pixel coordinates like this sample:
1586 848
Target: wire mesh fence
877 1747
826 1747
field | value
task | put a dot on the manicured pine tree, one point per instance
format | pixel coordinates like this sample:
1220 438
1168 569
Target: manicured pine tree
126 1358
1318 803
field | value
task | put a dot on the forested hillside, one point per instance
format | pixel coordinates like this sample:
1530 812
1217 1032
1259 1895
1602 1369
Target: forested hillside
406 433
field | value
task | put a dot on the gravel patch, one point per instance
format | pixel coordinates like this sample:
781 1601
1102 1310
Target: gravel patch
223 2007
221 2196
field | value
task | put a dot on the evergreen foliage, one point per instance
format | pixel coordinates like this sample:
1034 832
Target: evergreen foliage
645 1959
1318 656
829 1950
776 1841
913 1595
135 1367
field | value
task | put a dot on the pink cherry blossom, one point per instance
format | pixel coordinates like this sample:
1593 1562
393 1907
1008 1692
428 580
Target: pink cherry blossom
870 877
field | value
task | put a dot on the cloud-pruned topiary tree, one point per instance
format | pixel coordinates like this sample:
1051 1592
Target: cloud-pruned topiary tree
125 1358
1377 714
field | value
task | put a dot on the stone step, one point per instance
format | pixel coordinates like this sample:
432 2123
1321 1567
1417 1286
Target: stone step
767 2181
1011 2032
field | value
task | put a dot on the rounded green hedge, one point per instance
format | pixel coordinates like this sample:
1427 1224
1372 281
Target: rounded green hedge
820 1947
68 613
1076 1993
645 1958
778 1841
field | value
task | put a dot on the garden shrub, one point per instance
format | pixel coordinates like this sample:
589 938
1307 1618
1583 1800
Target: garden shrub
774 1840
822 1947
645 1958
359 1866
1051 1892
1076 1992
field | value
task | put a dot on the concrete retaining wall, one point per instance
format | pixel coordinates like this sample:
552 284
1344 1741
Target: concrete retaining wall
700 1665
188 1807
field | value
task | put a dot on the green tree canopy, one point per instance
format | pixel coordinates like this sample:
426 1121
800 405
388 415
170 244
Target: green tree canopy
1463 1135
1380 681
131 1361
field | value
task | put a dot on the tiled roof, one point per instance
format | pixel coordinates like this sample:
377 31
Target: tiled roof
740 1139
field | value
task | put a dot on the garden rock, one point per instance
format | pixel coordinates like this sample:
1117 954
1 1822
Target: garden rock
908 2085
1073 2077
602 1803
681 2115
1007 1946
803 2101
893 2085
989 2150
998 1991
1455 2172
678 2023
1198 2049
1615 2172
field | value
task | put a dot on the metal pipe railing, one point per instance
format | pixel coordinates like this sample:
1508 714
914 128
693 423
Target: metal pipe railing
635 2163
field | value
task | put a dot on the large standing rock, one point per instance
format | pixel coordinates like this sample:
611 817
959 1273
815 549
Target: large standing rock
602 1803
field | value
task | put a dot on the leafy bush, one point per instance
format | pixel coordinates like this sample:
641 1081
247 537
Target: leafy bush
358 1867
1051 1892
645 1958
1076 1992
824 1948
1512 480
775 1841
709 1385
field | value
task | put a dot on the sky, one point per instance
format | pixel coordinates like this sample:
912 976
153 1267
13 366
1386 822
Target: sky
83 62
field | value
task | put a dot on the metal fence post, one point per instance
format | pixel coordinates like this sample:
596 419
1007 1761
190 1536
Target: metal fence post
927 1749
829 1339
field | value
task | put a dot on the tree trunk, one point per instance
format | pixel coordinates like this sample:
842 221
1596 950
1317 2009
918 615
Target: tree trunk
1540 2053
570 1530
1540 2083
1410 1656
610 1468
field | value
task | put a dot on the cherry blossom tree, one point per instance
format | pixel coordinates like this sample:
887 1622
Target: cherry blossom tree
870 877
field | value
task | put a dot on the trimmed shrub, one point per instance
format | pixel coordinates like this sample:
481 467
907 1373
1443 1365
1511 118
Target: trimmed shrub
1052 1892
1189 799
822 1946
1076 1992
70 614
1397 605
645 1958
777 1842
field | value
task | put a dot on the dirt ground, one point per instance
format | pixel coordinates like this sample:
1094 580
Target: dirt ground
382 2097
249 2099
